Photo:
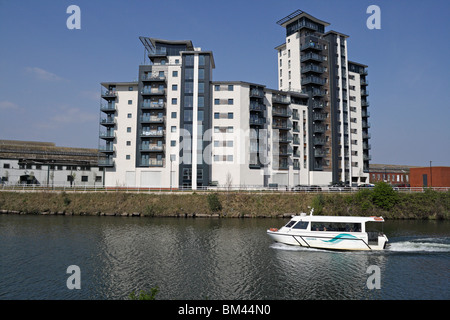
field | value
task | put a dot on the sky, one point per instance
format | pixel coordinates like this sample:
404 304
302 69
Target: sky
50 75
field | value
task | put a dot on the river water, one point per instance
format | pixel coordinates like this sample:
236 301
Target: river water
209 258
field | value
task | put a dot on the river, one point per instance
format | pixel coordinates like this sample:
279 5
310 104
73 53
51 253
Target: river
211 258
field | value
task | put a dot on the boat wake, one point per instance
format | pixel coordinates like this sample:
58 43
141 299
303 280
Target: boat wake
421 245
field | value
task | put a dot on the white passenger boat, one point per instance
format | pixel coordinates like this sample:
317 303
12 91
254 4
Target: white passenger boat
330 232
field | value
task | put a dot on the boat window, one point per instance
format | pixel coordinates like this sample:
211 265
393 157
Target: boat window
290 224
336 226
301 225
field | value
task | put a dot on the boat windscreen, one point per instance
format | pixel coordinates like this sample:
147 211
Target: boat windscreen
290 224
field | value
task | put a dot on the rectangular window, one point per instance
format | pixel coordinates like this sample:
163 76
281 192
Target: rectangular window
230 115
129 115
173 143
200 116
128 129
201 102
84 178
128 157
230 87
175 87
216 115
174 101
174 73
201 60
130 101
128 143
201 87
230 101
217 101
174 115
187 115
201 74
130 88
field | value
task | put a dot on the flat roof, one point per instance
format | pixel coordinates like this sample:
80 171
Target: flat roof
297 15
345 219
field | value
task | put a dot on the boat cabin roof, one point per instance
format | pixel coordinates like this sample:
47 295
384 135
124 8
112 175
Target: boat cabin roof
348 219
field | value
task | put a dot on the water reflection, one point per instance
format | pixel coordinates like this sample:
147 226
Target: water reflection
210 259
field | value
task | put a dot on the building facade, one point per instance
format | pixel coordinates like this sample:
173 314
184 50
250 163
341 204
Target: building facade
178 128
45 164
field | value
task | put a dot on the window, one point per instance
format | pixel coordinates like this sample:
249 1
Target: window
174 73
189 59
130 101
84 178
216 115
230 87
201 87
187 115
200 115
161 74
336 226
173 143
201 74
98 179
173 129
301 225
174 101
230 115
6 165
129 115
217 87
130 88
128 143
230 101
201 102
216 101
173 115
128 129
128 157
201 60
230 158
175 87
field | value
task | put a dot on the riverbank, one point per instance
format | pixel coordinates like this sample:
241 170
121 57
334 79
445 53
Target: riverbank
426 205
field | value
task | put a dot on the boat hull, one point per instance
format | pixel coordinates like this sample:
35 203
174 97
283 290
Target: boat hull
331 241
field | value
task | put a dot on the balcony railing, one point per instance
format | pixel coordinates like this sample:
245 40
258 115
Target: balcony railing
312 56
152 163
107 135
313 80
311 45
281 126
312 68
108 107
281 113
257 121
280 99
107 121
153 91
152 148
109 94
365 103
152 77
254 106
152 133
106 162
106 148
258 93
319 141
152 105
150 119
319 116
319 128
364 92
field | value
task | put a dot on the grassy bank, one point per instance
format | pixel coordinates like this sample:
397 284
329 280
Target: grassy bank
427 205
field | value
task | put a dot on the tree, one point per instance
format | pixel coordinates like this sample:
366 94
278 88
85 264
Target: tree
384 196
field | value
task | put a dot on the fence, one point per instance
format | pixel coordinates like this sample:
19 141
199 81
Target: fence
220 188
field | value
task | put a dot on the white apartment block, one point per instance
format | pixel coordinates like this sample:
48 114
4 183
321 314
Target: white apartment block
177 128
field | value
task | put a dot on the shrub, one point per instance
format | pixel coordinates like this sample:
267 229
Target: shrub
317 203
384 197
144 295
214 202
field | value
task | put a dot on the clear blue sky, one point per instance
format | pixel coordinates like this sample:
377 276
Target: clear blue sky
50 76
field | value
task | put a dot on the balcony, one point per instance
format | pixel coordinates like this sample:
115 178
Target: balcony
109 94
153 92
106 149
284 139
280 99
282 166
312 68
160 52
107 135
366 135
319 128
153 105
315 92
106 163
152 133
108 107
366 124
364 92
256 121
365 103
284 152
152 163
150 119
318 141
364 82
281 126
318 105
365 114
255 106
152 77
256 93
312 56
317 116
107 122
311 46
151 148
318 153
285 113
313 80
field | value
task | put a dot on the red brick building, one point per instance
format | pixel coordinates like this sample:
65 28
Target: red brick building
430 177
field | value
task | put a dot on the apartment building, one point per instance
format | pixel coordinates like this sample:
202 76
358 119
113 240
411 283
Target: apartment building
315 62
176 127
